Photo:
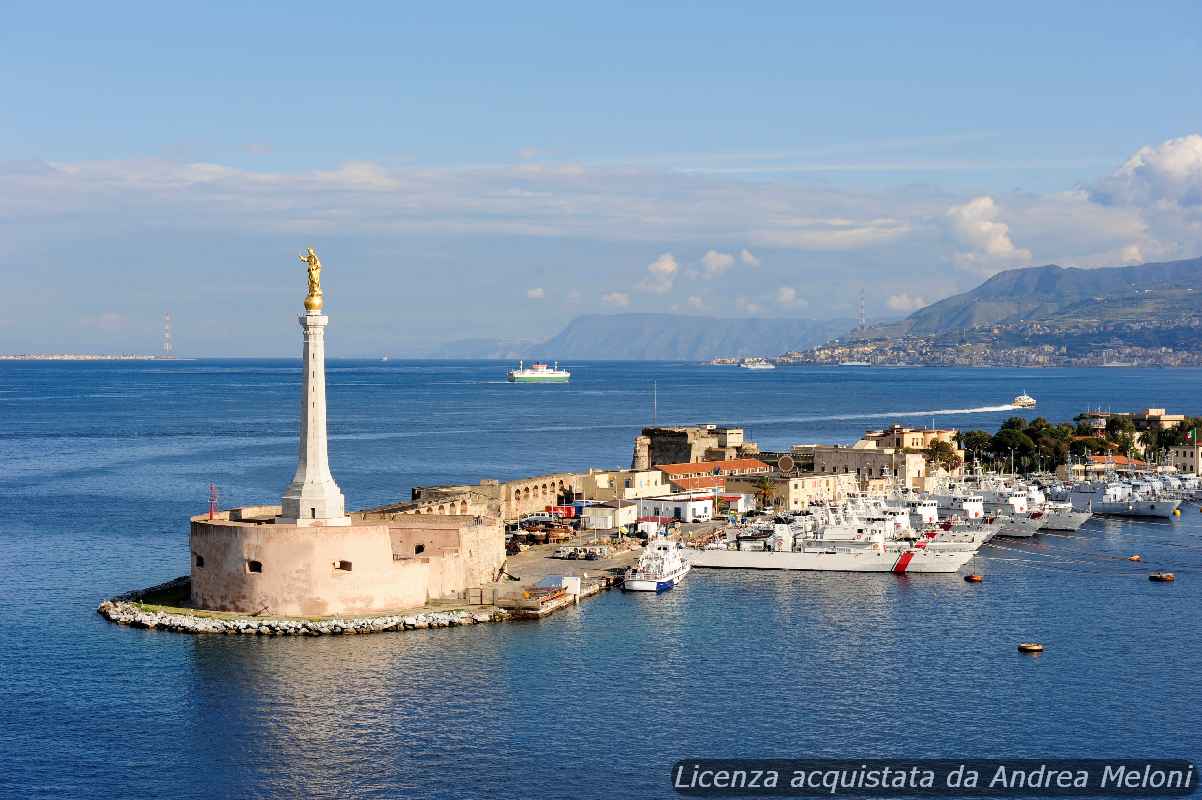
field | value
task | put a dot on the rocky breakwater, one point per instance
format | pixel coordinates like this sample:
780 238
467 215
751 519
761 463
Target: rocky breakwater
136 609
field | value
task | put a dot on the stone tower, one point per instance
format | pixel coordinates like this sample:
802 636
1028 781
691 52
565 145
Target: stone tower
313 499
642 453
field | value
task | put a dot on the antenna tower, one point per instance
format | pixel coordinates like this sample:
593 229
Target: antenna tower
863 321
167 346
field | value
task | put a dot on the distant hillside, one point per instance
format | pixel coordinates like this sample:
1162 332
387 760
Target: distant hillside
1162 291
657 337
672 336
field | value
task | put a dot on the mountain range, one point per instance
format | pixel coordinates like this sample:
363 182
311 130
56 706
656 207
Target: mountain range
1164 293
658 337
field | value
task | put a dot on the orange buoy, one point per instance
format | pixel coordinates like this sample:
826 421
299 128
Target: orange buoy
1136 557
1030 647
1162 577
974 578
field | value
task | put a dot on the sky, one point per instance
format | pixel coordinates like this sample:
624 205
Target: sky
495 170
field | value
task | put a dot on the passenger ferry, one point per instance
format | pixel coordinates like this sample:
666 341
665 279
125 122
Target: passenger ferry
538 372
757 363
1024 400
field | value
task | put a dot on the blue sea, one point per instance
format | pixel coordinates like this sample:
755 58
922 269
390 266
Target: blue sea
101 463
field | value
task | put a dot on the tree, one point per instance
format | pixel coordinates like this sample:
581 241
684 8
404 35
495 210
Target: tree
765 492
1008 441
943 454
1015 423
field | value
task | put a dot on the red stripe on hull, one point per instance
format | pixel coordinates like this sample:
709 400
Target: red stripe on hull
903 561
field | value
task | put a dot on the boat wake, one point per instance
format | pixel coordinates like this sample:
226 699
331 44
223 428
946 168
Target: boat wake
934 412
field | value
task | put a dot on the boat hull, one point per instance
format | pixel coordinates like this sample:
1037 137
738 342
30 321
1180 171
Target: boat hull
920 560
1066 520
655 584
540 379
1156 509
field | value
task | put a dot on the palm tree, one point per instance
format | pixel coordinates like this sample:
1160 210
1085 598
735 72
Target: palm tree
765 492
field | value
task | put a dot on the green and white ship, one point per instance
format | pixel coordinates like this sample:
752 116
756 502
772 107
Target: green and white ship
538 372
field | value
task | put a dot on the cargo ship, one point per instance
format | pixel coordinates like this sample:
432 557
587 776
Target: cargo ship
538 372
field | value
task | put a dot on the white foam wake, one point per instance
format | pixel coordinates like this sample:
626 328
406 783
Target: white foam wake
934 412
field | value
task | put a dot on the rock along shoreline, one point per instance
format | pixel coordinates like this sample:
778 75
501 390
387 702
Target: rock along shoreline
127 609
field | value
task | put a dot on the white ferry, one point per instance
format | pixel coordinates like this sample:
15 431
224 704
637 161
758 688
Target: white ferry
661 566
1024 400
756 363
538 372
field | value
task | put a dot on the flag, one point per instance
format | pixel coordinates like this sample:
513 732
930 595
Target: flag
1192 435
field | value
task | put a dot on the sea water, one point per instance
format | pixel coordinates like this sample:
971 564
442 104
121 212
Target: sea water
101 464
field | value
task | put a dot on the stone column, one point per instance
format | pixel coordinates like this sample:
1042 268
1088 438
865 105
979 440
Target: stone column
313 499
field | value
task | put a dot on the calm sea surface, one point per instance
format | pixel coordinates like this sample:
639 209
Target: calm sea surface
102 463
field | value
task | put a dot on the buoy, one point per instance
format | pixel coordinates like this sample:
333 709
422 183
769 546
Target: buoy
1176 512
1136 557
1162 577
973 578
1030 647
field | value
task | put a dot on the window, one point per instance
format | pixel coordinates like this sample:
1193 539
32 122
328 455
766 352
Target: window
200 560
343 566
254 566
418 549
313 513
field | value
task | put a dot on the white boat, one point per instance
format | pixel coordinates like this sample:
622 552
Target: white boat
1063 517
1115 499
868 551
538 372
756 363
1024 400
661 566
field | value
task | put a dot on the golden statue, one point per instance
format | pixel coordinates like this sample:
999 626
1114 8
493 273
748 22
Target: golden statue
314 301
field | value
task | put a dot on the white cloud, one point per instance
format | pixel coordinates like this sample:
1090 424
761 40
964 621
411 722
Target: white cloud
714 263
536 293
747 258
831 234
1167 174
109 322
661 274
787 296
984 240
695 303
746 306
620 299
904 301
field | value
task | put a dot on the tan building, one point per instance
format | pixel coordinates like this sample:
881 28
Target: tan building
1187 459
867 462
728 468
510 500
900 437
795 493
625 484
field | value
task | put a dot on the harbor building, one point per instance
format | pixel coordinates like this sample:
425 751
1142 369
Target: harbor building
899 437
1145 419
509 500
307 556
712 476
610 514
689 444
797 492
682 507
624 484
1187 459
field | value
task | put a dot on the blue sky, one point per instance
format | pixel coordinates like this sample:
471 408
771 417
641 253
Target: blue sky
494 170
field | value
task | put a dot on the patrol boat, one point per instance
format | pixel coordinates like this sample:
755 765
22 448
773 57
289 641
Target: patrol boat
661 566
